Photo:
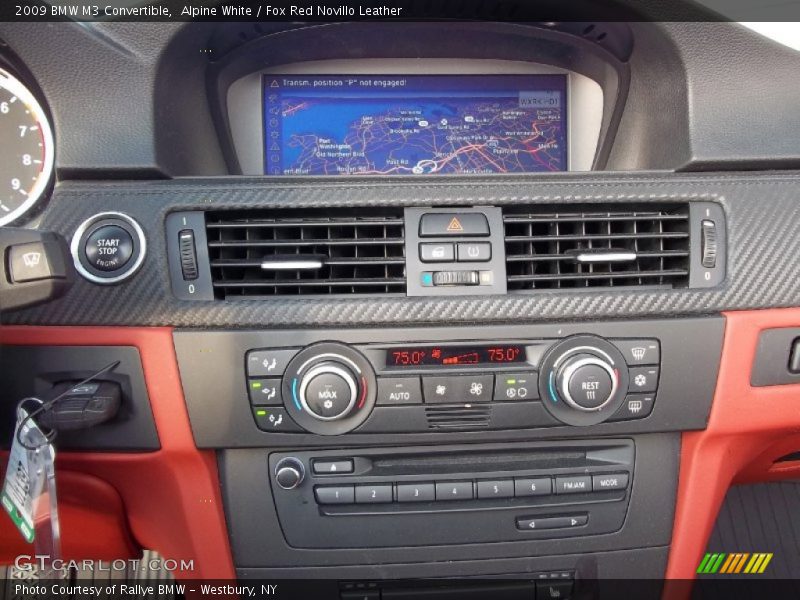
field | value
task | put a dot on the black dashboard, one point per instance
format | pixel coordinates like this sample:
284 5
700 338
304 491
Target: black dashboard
444 295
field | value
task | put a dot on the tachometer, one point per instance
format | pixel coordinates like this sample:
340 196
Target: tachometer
26 149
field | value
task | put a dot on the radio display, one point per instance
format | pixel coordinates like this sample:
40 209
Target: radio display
454 356
414 124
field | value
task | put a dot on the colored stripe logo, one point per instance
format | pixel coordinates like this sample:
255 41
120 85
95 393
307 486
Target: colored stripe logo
734 563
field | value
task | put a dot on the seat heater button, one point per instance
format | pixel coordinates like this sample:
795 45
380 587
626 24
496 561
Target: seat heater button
553 590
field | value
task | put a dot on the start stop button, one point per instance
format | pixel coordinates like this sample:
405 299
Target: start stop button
108 248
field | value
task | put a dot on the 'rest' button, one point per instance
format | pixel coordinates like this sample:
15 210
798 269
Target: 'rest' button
109 248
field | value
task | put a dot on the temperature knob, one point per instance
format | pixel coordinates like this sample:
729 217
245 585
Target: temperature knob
329 388
583 380
587 382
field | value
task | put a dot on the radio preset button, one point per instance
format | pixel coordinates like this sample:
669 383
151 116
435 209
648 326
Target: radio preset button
542 486
614 481
516 386
376 493
576 484
500 488
415 492
335 494
399 390
454 490
268 363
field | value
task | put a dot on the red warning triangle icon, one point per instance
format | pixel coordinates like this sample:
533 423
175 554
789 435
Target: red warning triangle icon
455 225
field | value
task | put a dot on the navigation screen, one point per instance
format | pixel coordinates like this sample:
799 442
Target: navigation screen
414 125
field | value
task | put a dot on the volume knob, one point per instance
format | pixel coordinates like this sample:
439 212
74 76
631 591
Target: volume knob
289 473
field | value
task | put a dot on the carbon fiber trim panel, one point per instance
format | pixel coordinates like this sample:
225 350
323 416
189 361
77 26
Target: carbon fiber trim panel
762 212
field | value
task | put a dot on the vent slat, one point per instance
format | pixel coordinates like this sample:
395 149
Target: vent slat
361 251
590 238
599 275
309 282
542 246
300 223
304 243
546 257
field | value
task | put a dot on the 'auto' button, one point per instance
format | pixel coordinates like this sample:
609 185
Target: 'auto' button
109 248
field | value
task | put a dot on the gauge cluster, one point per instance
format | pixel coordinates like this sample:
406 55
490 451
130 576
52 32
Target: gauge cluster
26 151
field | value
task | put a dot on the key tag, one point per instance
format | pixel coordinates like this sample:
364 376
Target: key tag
29 490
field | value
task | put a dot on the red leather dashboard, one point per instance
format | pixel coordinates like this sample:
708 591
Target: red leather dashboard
171 497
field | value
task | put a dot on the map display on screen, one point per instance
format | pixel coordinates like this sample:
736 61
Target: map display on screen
414 125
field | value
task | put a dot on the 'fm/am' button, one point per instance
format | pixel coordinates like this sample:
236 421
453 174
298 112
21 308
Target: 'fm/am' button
573 484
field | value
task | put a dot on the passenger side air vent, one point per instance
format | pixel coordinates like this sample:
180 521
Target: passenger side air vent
590 248
308 252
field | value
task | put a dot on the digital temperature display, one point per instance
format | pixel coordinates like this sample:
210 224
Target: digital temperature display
456 356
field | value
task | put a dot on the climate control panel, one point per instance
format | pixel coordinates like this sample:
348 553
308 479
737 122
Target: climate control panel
332 388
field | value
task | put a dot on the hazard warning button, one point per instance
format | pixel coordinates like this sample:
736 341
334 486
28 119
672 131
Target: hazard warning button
453 225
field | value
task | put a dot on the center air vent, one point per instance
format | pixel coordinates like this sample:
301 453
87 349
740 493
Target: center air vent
308 252
592 248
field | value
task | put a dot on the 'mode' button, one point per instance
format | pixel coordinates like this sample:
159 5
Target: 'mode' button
615 481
